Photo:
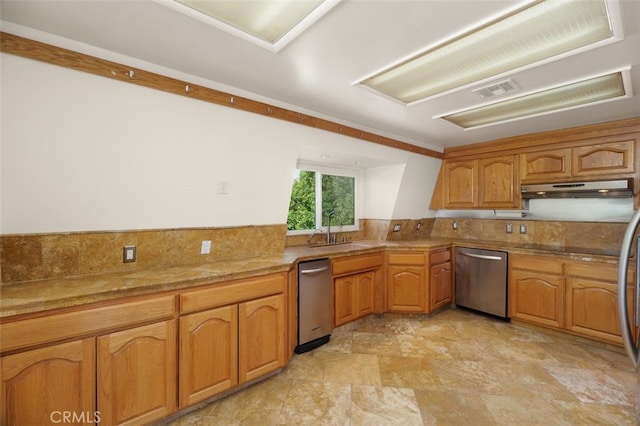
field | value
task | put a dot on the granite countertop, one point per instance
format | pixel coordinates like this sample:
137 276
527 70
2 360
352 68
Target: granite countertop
43 295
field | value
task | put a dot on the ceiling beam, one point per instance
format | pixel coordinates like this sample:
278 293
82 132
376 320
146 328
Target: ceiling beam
20 46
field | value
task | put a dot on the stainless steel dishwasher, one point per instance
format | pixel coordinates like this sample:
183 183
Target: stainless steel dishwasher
314 304
481 281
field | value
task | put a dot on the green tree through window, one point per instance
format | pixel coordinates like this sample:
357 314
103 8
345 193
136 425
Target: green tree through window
333 194
338 197
302 208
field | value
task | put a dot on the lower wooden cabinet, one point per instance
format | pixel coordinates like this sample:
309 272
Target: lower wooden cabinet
262 337
407 282
354 297
137 374
580 297
126 369
406 288
357 287
208 354
440 284
592 300
537 297
41 386
228 345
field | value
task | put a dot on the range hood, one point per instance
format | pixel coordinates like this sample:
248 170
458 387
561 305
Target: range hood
597 189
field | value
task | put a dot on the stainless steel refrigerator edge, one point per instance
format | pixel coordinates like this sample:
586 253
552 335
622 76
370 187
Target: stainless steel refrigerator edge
314 304
629 251
481 280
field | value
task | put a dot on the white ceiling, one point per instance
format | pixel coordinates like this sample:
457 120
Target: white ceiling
315 72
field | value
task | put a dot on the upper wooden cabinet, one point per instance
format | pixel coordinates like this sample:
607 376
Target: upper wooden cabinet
484 183
488 175
497 182
603 159
545 166
460 184
596 160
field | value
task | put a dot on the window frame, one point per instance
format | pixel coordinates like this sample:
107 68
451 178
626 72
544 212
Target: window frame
333 171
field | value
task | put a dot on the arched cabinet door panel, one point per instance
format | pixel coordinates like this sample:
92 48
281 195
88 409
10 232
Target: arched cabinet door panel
137 374
41 386
262 341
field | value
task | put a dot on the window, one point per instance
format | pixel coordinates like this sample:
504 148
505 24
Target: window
318 193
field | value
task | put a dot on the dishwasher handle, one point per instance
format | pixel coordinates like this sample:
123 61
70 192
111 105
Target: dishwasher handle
313 271
481 256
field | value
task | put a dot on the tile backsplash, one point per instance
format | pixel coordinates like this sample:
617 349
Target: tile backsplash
42 256
600 235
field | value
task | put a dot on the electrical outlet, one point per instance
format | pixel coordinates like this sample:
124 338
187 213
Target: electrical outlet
418 226
509 228
523 229
454 225
128 254
205 248
396 227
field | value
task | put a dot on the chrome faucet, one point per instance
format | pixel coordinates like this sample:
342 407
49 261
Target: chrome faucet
312 234
329 227
334 239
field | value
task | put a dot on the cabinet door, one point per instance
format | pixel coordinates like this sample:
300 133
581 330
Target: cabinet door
40 385
603 159
365 293
592 309
406 289
440 285
498 182
537 297
137 374
208 354
344 299
262 342
460 189
545 166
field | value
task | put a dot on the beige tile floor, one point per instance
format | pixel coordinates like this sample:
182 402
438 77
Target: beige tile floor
452 368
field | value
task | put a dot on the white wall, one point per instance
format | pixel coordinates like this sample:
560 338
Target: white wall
418 183
82 152
381 191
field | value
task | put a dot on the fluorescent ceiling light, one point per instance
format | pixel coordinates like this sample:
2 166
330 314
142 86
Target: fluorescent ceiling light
268 23
569 96
529 35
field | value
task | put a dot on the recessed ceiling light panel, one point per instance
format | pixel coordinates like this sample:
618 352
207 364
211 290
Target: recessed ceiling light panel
271 24
525 37
589 91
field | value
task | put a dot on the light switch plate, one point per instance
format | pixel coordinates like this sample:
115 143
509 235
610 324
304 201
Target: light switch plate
205 248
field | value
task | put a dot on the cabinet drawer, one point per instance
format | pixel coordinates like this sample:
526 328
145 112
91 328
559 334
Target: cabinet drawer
535 263
29 332
232 292
440 256
406 258
597 271
348 265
